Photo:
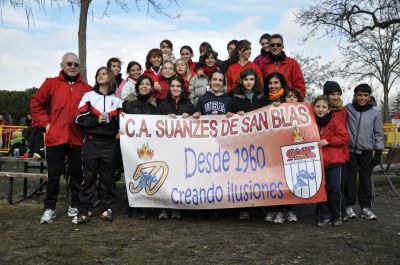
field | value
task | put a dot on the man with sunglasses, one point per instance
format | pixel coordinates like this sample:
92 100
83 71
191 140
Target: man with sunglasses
53 109
277 61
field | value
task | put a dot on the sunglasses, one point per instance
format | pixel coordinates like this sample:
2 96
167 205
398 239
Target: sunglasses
71 64
275 44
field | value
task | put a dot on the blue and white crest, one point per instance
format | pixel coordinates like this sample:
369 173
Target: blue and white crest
303 169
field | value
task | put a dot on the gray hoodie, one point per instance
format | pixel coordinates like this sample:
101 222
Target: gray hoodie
365 129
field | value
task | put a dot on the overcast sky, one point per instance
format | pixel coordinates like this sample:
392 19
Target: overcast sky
29 55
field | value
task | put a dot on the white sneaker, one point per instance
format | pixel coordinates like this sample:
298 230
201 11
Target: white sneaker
279 218
48 216
291 217
72 212
350 213
163 214
368 214
176 214
269 217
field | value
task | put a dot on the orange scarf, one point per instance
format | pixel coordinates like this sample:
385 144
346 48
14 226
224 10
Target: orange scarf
277 94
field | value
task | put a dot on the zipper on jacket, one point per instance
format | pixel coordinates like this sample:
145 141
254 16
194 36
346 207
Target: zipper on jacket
104 103
358 130
69 117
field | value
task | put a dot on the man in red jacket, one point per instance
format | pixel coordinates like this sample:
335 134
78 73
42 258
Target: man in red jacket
277 61
53 108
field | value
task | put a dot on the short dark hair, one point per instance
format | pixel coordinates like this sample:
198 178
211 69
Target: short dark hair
218 72
187 47
113 60
168 42
205 45
276 36
140 79
132 63
278 75
265 36
363 88
153 52
184 95
323 98
293 91
231 42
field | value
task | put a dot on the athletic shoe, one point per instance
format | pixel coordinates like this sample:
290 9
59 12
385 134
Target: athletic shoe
72 211
48 216
244 216
140 214
291 217
163 214
106 215
80 218
350 213
324 223
279 218
337 222
176 214
269 217
367 214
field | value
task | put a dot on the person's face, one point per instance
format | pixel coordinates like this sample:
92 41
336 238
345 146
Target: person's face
70 66
210 61
265 45
334 98
102 77
217 82
29 117
1 117
231 48
155 61
145 87
186 55
362 98
135 72
321 108
168 70
291 97
176 88
274 84
276 46
165 49
115 68
245 53
249 82
180 67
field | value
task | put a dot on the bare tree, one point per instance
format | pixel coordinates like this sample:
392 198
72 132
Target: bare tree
351 18
314 71
151 6
376 55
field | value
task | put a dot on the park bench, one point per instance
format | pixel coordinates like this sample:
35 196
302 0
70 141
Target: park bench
28 164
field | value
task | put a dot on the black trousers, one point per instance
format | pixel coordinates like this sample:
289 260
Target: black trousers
361 164
331 209
56 156
98 160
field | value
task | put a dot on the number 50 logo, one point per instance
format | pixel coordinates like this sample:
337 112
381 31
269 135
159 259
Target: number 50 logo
150 176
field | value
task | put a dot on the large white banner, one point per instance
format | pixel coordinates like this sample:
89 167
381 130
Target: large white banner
266 157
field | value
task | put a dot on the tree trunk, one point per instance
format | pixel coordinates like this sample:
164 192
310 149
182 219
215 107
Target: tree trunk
386 116
82 35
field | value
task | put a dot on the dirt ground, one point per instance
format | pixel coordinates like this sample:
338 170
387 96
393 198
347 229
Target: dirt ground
196 239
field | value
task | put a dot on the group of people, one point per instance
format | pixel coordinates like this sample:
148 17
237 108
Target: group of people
82 123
